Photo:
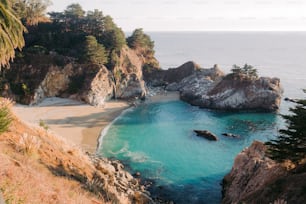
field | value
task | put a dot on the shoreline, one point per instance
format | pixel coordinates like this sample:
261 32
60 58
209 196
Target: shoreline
78 123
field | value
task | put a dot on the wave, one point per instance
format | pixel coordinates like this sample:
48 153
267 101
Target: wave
105 130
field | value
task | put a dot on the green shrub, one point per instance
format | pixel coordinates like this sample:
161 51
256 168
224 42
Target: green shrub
43 124
5 116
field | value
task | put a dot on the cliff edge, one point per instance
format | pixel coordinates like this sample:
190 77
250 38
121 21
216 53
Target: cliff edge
255 178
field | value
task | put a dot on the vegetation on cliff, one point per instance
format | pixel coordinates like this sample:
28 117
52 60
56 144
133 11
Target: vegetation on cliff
291 142
86 40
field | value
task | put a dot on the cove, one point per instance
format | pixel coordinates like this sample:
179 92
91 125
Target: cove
158 141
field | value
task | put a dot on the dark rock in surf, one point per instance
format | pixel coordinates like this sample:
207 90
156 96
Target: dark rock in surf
290 100
206 134
231 135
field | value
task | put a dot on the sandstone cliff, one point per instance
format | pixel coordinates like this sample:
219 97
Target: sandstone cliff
256 178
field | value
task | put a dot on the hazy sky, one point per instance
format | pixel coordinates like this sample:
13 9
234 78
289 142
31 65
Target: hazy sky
199 15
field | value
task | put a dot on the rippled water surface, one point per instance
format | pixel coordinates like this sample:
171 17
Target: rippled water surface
158 141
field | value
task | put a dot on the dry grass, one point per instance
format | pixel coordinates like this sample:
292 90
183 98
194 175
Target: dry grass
31 158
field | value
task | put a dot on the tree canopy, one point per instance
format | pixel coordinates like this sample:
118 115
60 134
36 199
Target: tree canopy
31 12
94 52
291 142
144 45
11 33
67 31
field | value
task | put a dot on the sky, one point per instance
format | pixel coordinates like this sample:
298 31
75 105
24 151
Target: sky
199 15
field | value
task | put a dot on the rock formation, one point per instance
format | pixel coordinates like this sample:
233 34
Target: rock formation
210 88
230 135
128 75
206 134
160 77
256 178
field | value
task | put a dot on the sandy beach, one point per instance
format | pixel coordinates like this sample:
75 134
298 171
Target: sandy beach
78 123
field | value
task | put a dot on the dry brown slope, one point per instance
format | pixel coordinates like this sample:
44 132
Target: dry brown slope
37 167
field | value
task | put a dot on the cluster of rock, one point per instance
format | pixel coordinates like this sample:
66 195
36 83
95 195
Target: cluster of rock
211 88
121 186
255 178
211 136
93 84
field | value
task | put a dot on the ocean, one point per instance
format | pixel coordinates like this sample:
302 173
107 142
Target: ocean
157 139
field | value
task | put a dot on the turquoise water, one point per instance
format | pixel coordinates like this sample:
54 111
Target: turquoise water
158 141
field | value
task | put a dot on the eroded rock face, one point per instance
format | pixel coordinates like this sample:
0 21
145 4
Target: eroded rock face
159 77
128 76
55 81
235 94
252 171
39 77
99 89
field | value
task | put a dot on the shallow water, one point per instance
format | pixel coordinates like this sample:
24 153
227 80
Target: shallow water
158 141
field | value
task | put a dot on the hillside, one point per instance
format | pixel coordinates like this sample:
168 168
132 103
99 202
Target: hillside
59 173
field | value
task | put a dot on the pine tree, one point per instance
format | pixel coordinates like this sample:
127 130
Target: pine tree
291 142
94 52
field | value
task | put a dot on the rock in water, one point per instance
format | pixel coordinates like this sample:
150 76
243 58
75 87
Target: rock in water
230 135
206 134
210 88
235 94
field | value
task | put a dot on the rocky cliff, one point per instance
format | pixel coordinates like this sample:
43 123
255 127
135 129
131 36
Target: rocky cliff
235 93
34 77
256 178
210 88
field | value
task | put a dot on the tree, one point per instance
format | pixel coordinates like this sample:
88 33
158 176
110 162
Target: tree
31 12
113 37
11 33
74 11
143 44
291 142
140 40
247 70
94 52
94 23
